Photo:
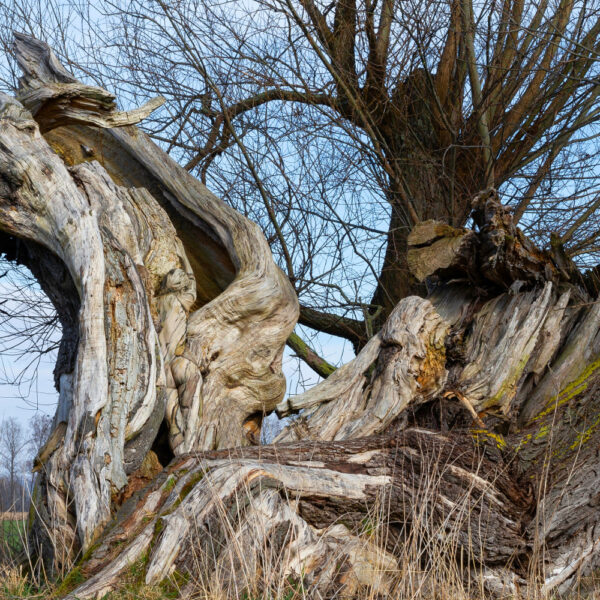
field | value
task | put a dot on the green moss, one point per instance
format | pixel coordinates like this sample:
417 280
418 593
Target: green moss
508 387
74 578
574 388
171 586
158 527
189 486
169 484
88 553
35 498
490 436
137 570
583 436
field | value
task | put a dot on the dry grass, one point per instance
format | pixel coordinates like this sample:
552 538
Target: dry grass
434 578
412 582
426 563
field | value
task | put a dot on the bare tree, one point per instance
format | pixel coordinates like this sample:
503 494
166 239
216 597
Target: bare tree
338 126
12 445
174 319
40 426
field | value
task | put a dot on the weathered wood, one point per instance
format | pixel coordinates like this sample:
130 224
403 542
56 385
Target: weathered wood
497 253
483 397
506 255
293 495
498 352
404 364
54 97
576 360
143 354
259 304
435 247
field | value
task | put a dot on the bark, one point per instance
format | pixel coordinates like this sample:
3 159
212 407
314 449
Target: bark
470 418
419 191
144 354
431 176
233 512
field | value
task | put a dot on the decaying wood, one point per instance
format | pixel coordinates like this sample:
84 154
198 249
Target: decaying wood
477 405
437 247
289 498
499 254
403 364
143 354
54 97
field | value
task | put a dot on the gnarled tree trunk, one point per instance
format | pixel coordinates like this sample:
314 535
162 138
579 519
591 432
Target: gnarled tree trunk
473 411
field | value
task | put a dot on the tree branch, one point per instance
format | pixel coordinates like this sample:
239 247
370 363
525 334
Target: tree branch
250 103
350 329
319 365
279 94
344 34
447 61
482 123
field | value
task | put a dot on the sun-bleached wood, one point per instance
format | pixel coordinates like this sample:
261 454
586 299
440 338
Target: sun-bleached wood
404 364
478 404
276 509
143 354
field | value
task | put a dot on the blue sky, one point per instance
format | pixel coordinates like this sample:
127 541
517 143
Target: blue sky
26 381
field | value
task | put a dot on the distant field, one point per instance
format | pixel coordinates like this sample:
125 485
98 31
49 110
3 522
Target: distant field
12 528
13 516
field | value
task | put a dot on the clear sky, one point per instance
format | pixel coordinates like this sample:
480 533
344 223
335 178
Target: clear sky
25 400
26 381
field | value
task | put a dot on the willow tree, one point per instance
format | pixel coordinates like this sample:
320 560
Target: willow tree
477 404
338 125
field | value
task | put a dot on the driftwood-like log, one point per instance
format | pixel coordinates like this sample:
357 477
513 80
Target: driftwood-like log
143 353
222 515
475 409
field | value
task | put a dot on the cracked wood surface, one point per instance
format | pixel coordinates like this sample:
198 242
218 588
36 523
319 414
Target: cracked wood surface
143 353
247 499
